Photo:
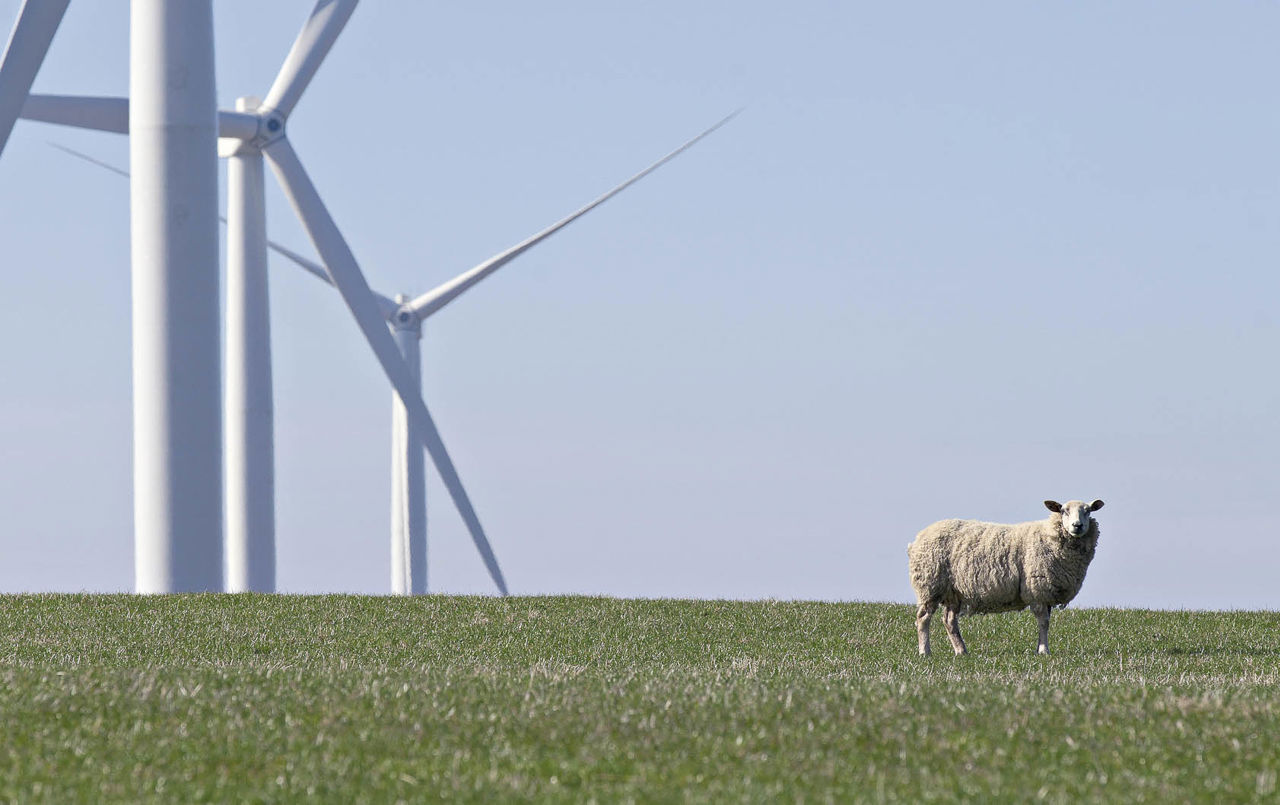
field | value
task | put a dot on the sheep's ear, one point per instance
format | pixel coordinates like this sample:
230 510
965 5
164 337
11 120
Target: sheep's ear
1094 506
1053 506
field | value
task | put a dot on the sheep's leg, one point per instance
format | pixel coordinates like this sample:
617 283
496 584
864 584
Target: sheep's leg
923 614
1041 612
952 621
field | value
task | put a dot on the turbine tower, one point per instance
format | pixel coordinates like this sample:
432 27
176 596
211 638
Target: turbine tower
177 414
248 406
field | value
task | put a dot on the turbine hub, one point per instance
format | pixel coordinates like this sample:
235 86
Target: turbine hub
406 320
270 128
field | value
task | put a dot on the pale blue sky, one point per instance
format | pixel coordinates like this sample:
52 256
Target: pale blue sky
953 259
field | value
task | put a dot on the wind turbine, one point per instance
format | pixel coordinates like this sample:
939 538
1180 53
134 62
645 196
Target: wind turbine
404 317
408 488
173 208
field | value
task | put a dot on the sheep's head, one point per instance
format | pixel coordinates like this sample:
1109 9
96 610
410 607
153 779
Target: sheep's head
1076 515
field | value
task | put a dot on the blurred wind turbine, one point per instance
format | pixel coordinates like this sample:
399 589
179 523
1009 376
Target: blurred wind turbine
38 21
404 316
408 486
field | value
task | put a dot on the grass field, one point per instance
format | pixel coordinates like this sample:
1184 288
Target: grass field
349 699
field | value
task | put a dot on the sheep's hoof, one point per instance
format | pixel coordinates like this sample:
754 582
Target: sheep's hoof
1043 650
960 652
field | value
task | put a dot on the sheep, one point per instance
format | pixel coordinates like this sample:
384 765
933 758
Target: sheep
974 567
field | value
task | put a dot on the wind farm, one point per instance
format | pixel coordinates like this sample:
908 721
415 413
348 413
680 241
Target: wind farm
167 556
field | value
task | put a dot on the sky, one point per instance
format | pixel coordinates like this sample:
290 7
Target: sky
950 261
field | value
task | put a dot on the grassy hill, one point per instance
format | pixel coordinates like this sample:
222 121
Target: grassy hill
232 698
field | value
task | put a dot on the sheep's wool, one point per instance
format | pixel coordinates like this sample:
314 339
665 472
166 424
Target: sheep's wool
978 567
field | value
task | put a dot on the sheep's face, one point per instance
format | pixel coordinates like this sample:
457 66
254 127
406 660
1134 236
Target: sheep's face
1076 515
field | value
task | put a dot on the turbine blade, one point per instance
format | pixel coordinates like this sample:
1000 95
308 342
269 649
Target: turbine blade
433 300
112 114
95 161
83 112
38 21
313 268
346 277
309 49
386 304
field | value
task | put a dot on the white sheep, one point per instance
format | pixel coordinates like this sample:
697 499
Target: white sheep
974 567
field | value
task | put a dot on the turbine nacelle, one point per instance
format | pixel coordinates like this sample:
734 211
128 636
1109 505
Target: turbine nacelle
251 128
230 145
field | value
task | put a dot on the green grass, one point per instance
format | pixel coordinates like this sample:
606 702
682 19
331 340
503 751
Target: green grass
348 699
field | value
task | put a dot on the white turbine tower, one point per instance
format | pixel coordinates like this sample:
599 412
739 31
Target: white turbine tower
173 201
248 408
404 317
